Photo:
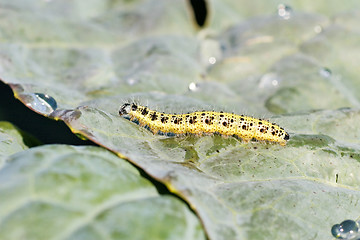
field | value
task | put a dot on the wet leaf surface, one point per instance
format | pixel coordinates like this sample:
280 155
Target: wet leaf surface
66 192
288 62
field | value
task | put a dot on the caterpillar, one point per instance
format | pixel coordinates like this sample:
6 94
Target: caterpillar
206 122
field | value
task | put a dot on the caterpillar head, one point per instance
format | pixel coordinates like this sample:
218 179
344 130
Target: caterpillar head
286 137
125 109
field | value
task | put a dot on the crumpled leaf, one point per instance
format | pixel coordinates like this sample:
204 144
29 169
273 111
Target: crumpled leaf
259 66
66 192
250 189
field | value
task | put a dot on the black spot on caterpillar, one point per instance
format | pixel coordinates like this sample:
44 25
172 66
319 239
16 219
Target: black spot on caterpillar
198 123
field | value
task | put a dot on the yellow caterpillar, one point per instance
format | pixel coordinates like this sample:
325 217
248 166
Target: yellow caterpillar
198 123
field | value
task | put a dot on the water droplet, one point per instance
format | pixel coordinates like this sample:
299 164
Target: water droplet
325 72
348 229
131 81
212 60
39 102
284 11
318 29
193 87
269 80
210 51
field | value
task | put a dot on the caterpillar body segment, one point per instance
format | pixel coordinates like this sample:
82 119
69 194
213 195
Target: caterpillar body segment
206 122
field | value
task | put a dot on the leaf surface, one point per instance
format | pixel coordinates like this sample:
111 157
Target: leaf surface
261 66
11 141
66 192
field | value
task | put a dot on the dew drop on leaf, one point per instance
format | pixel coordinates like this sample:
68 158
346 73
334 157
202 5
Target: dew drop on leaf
132 81
318 29
325 72
348 230
193 87
39 102
212 60
284 11
269 80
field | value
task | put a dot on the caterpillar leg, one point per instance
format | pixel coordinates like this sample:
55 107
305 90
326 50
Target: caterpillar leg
225 136
154 130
